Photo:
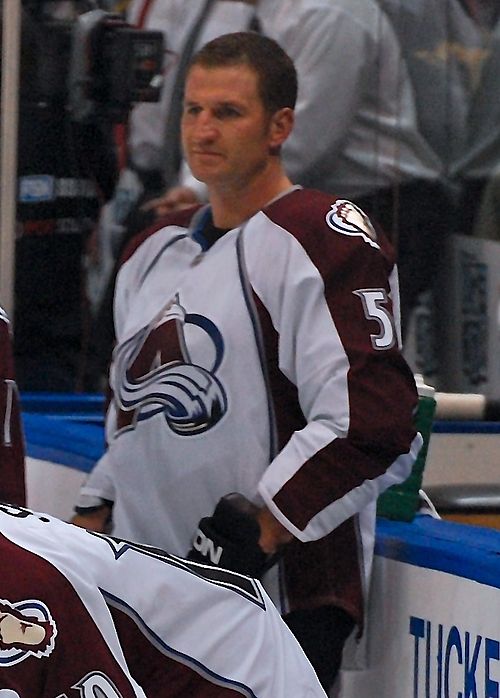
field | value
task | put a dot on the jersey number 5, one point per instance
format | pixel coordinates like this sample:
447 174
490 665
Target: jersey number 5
376 307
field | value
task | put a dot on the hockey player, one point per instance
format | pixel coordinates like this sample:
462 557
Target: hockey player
12 475
84 614
258 354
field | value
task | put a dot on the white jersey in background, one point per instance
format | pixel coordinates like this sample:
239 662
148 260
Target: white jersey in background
356 127
444 50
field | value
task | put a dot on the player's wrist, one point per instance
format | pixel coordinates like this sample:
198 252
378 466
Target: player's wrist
88 504
93 513
273 535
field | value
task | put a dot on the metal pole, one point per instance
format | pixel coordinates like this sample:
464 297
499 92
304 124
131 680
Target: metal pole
11 38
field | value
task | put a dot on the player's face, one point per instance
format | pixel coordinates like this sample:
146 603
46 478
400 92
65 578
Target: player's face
227 134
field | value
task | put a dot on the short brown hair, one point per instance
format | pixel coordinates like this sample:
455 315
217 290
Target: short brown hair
277 77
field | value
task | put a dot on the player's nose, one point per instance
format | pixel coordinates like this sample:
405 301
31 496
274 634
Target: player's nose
205 127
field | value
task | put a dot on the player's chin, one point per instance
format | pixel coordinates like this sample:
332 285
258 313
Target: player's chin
205 164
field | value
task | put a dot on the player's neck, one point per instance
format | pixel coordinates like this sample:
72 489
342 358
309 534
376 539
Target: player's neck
233 205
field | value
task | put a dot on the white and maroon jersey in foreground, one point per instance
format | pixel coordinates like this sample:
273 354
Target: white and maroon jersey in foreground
267 364
86 615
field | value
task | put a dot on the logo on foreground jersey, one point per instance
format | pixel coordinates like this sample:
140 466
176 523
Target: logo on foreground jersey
27 629
154 372
346 218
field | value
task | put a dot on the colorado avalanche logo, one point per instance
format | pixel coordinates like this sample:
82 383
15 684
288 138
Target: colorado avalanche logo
27 629
153 372
346 218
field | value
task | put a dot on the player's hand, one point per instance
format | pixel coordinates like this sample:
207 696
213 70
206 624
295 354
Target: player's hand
94 518
175 199
230 538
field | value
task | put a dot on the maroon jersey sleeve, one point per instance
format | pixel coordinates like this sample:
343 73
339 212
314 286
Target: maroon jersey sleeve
12 473
337 337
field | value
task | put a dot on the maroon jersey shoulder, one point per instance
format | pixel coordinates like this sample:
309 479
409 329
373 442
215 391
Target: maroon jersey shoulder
300 210
330 228
178 218
42 648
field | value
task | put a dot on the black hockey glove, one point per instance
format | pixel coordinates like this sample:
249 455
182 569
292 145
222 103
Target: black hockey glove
230 538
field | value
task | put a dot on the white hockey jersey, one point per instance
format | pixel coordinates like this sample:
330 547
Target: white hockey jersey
267 364
87 615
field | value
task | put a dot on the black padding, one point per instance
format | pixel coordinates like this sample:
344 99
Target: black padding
466 498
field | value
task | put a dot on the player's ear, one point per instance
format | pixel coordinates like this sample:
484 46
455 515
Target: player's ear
280 128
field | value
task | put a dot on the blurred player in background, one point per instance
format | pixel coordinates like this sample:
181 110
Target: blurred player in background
258 354
83 612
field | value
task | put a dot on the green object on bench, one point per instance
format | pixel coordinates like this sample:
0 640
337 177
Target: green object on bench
401 502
